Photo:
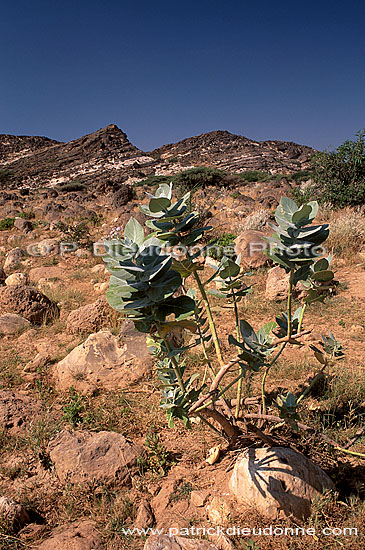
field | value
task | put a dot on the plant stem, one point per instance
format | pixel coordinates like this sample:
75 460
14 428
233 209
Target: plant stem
240 369
176 367
263 393
290 296
212 326
301 318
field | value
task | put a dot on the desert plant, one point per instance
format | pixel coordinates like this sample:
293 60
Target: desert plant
339 176
147 271
348 232
6 223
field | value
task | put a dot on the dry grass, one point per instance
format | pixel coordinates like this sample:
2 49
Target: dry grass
347 233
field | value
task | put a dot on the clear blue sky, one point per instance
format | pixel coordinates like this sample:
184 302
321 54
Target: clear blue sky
165 70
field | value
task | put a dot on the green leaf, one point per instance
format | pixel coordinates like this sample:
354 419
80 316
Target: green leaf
134 231
323 276
321 265
159 204
301 216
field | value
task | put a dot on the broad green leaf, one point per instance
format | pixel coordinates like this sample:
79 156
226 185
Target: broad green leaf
134 231
323 276
159 204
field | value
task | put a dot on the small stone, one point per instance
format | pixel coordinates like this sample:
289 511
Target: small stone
198 498
11 323
16 279
13 513
145 517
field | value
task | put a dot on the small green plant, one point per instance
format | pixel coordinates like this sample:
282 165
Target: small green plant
223 246
72 186
157 458
253 176
6 223
146 273
76 232
75 408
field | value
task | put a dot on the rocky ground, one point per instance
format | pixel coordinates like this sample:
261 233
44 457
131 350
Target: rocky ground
85 448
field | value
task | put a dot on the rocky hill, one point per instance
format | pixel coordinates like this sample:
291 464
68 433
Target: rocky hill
108 155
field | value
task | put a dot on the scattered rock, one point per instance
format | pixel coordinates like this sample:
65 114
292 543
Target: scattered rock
82 253
101 288
28 302
13 259
16 410
87 456
11 323
90 318
278 481
122 196
277 284
145 517
103 361
198 498
99 269
250 244
23 225
49 272
39 361
16 279
82 535
219 510
13 513
164 542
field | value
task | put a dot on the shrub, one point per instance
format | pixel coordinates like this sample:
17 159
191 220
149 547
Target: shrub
217 248
253 176
6 223
339 176
300 176
199 177
145 278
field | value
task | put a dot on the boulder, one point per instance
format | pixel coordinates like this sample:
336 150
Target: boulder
16 410
279 482
16 279
144 517
82 535
164 542
250 244
99 269
90 318
277 284
107 457
49 272
13 513
104 361
11 323
23 225
13 259
27 302
122 196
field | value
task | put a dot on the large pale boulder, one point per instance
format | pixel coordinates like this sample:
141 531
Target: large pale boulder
82 535
87 456
27 302
279 482
104 361
251 245
17 411
164 542
91 317
11 323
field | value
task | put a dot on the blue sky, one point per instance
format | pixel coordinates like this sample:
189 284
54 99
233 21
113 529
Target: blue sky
167 70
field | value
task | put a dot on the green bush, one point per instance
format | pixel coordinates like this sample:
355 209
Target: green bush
218 246
6 223
199 177
339 176
300 176
253 176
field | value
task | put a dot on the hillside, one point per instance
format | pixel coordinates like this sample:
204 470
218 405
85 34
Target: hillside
108 155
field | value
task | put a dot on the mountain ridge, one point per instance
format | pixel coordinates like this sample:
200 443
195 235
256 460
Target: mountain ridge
107 154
